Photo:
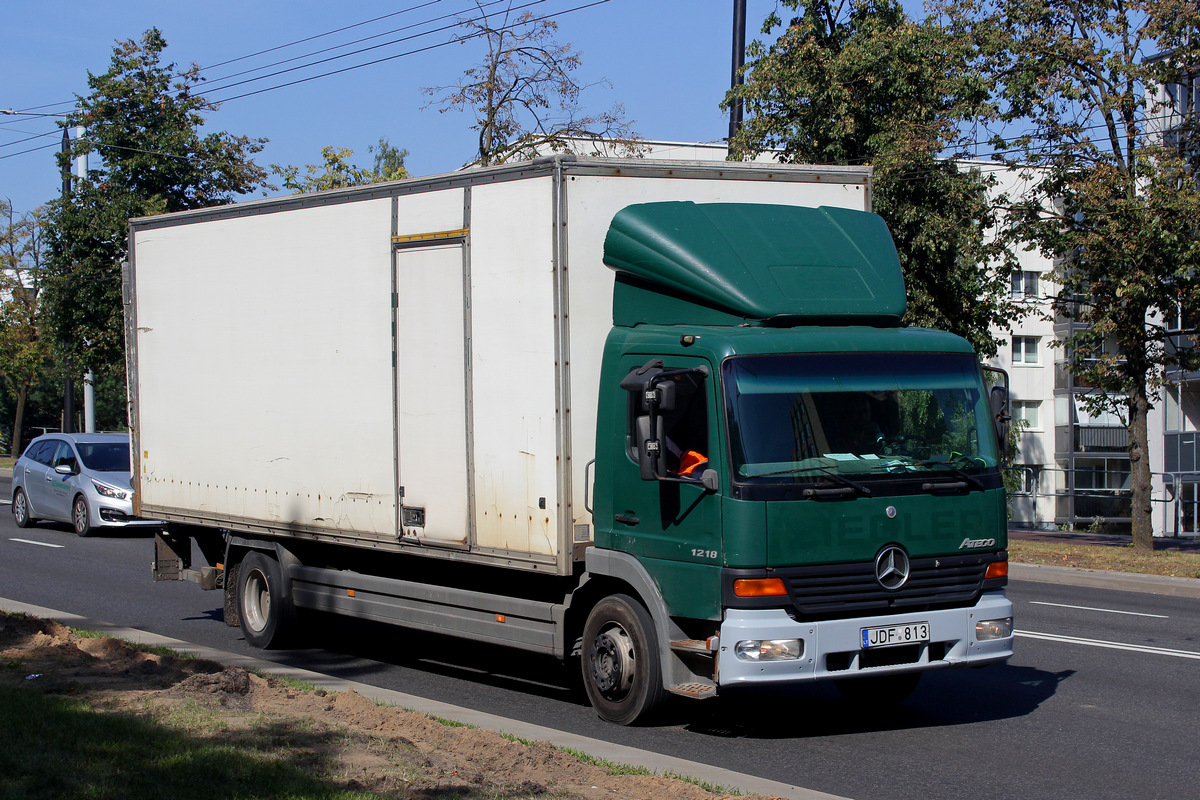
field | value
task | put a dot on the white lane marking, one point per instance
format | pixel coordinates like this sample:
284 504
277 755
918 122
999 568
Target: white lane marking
1105 610
1137 648
5 502
40 544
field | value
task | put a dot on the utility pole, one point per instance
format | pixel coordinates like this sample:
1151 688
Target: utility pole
89 378
68 421
739 60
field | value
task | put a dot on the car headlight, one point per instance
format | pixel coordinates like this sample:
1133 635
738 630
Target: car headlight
770 649
988 629
111 491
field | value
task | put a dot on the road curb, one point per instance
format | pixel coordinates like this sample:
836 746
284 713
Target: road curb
607 750
1105 579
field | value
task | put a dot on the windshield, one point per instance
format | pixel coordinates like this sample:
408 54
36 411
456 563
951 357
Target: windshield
810 417
104 456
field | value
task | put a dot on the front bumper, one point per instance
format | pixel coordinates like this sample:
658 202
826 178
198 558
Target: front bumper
833 648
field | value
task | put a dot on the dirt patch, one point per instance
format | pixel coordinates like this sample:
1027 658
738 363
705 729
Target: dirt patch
351 741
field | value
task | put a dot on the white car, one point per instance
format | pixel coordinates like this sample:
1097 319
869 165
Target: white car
80 478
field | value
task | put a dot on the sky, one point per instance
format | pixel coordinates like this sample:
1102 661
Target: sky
668 62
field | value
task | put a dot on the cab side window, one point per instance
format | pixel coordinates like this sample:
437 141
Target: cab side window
685 426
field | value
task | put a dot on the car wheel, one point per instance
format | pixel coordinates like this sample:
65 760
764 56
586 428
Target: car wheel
81 517
621 671
265 611
20 510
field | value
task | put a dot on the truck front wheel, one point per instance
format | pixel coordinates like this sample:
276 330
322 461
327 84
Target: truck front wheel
266 612
621 670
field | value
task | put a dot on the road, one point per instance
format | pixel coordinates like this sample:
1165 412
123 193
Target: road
1100 701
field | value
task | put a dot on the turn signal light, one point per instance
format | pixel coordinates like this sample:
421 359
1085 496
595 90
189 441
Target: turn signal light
759 587
996 569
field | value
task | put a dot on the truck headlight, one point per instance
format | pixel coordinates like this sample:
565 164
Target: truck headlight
770 649
109 491
987 629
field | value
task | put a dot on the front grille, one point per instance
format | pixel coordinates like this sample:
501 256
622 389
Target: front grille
834 591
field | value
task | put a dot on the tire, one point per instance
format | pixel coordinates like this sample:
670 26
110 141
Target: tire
20 510
81 518
265 609
621 670
881 690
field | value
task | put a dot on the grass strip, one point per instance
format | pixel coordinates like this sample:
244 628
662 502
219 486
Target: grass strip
60 748
1123 558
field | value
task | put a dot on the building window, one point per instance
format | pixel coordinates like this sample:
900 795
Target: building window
1025 350
1026 410
1027 478
1108 474
1024 285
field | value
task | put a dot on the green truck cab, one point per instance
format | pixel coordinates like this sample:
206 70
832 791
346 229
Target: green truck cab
813 490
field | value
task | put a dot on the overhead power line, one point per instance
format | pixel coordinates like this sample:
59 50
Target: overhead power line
456 40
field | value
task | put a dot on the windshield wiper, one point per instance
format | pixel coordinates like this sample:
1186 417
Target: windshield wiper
968 481
848 486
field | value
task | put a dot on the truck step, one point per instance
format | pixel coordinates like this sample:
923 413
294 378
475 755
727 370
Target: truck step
696 691
707 646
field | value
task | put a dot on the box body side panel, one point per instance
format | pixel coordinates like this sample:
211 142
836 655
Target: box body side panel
264 368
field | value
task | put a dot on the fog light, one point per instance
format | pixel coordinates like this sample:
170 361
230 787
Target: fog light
993 629
770 649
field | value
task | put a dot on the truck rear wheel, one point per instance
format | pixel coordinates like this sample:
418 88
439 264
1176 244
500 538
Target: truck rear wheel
621 670
264 608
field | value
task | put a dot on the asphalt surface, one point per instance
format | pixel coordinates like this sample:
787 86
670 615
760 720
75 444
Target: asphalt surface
1057 684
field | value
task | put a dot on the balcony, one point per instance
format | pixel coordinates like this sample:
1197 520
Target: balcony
1110 506
1101 439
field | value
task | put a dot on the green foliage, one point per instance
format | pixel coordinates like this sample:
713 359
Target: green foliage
24 349
860 83
524 96
336 171
1113 193
142 121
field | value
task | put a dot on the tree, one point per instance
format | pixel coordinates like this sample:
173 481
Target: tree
1114 193
143 121
336 172
523 94
858 82
24 351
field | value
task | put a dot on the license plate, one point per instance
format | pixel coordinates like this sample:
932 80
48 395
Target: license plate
892 635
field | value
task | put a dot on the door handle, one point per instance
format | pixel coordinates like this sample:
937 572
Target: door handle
627 519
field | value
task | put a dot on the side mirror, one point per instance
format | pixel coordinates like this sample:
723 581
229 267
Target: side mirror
710 479
998 402
65 469
649 446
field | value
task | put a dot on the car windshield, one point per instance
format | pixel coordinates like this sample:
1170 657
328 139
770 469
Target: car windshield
104 456
810 417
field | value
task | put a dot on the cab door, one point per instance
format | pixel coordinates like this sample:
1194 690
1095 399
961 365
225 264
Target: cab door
672 521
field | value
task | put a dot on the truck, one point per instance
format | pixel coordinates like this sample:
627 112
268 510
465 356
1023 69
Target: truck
661 418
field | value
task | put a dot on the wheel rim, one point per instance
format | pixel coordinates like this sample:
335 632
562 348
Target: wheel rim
81 516
256 601
613 662
19 510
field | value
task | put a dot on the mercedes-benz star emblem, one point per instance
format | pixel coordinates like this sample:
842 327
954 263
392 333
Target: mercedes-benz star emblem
892 567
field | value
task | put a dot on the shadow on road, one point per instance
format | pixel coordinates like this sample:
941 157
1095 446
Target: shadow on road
943 698
361 650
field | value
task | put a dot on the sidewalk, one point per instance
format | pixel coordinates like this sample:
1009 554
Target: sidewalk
1186 544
